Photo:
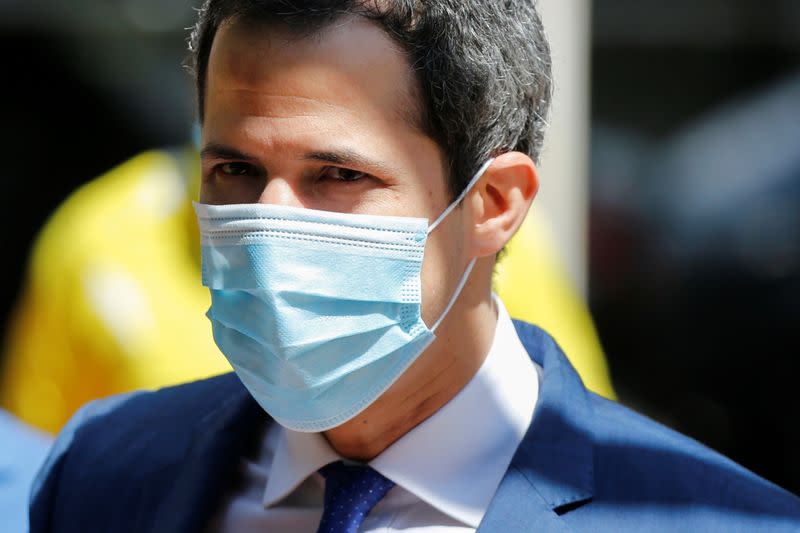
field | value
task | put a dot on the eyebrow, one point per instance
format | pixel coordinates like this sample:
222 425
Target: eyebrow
349 158
343 157
220 151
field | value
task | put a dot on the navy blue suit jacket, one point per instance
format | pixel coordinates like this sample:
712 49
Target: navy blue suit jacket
162 462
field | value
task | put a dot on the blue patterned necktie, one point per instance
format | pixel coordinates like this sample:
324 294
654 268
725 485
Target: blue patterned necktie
351 491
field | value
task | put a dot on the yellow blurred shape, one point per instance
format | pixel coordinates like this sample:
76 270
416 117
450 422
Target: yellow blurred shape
113 299
534 286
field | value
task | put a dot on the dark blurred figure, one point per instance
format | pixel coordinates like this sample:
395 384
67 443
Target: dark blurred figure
696 220
724 206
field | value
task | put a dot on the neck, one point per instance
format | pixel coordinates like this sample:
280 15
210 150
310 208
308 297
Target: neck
462 342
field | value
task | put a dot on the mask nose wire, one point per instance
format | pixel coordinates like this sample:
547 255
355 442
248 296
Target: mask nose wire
478 175
465 276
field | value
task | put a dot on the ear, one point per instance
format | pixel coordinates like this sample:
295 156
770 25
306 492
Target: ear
500 201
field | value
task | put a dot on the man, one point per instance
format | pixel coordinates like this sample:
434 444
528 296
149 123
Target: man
363 164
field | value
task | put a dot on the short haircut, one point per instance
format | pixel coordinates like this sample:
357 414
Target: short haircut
482 66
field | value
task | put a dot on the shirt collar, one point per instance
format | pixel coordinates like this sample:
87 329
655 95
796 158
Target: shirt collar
454 460
297 456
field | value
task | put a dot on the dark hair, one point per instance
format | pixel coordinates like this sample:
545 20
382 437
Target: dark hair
483 66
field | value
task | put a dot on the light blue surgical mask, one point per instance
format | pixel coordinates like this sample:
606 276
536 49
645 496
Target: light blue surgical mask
318 312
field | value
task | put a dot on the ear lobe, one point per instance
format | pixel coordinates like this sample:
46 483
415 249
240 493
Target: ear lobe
503 198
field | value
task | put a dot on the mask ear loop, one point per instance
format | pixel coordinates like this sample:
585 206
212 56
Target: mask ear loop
465 276
478 175
456 294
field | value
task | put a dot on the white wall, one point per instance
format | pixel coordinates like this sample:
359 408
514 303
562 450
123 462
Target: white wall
563 172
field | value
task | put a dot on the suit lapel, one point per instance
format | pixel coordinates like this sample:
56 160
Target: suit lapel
518 507
552 470
212 463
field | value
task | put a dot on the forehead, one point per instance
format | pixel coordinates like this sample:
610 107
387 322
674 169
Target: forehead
350 67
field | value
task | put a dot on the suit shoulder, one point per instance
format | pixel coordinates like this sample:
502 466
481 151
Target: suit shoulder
653 462
129 413
123 452
168 408
138 435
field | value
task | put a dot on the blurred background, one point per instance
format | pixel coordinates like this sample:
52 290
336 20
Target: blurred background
674 161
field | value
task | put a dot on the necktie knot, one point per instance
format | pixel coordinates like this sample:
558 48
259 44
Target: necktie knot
351 491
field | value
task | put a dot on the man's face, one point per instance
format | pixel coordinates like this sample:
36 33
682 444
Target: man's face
327 122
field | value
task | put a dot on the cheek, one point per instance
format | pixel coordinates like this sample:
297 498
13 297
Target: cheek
206 195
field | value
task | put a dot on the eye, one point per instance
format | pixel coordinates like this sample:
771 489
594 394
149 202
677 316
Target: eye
342 174
235 169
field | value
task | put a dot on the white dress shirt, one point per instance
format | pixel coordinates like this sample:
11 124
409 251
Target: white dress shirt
446 469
